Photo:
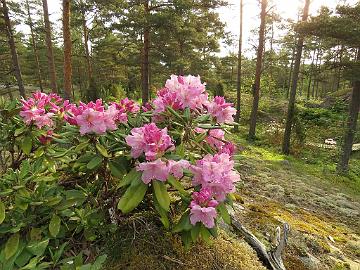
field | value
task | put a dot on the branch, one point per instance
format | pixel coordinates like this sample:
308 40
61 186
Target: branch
271 259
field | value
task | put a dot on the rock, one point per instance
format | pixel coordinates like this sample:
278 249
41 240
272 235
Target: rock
285 162
310 262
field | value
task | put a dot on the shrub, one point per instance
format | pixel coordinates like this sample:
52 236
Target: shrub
85 168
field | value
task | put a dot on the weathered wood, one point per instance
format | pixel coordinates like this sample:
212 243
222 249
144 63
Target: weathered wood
271 259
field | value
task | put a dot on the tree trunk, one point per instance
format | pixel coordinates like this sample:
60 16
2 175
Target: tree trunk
238 78
36 54
14 55
291 105
145 57
50 53
67 49
291 72
311 70
256 93
354 108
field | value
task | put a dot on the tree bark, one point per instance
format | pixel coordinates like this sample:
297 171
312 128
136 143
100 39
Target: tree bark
50 53
291 72
14 55
145 57
36 54
354 108
311 71
67 49
256 93
238 78
291 105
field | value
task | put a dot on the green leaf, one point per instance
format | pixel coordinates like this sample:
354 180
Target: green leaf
133 176
11 245
177 185
2 212
205 234
224 213
94 162
195 231
99 262
81 146
38 248
102 150
23 258
54 225
132 197
161 194
117 169
184 223
163 214
186 238
26 145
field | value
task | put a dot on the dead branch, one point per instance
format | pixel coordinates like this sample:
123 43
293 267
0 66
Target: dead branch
271 259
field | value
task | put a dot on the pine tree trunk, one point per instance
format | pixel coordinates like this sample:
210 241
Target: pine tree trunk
256 93
50 53
14 55
238 78
291 72
67 49
310 75
36 54
291 105
145 58
354 108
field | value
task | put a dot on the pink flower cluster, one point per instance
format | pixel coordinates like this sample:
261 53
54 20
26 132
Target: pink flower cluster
92 117
40 108
221 110
217 177
217 173
181 92
216 139
153 143
202 208
160 170
125 106
150 140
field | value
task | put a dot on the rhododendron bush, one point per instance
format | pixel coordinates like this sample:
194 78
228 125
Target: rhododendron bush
84 168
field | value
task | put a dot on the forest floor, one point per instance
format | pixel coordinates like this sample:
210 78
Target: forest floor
323 209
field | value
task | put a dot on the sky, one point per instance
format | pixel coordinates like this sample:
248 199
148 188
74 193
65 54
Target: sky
287 9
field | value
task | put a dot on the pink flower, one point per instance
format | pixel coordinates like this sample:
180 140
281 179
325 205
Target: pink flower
176 167
153 170
202 208
215 138
127 105
150 140
229 148
216 173
166 98
190 91
44 120
222 111
147 107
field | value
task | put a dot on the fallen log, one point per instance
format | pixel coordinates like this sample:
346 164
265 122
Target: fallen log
271 259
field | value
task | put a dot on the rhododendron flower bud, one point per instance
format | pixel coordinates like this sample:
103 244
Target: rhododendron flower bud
127 105
202 208
176 167
229 148
153 170
46 139
222 111
150 140
147 107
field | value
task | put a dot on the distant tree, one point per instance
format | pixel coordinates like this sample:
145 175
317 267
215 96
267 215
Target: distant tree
67 50
238 78
33 43
11 41
259 63
295 76
49 46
